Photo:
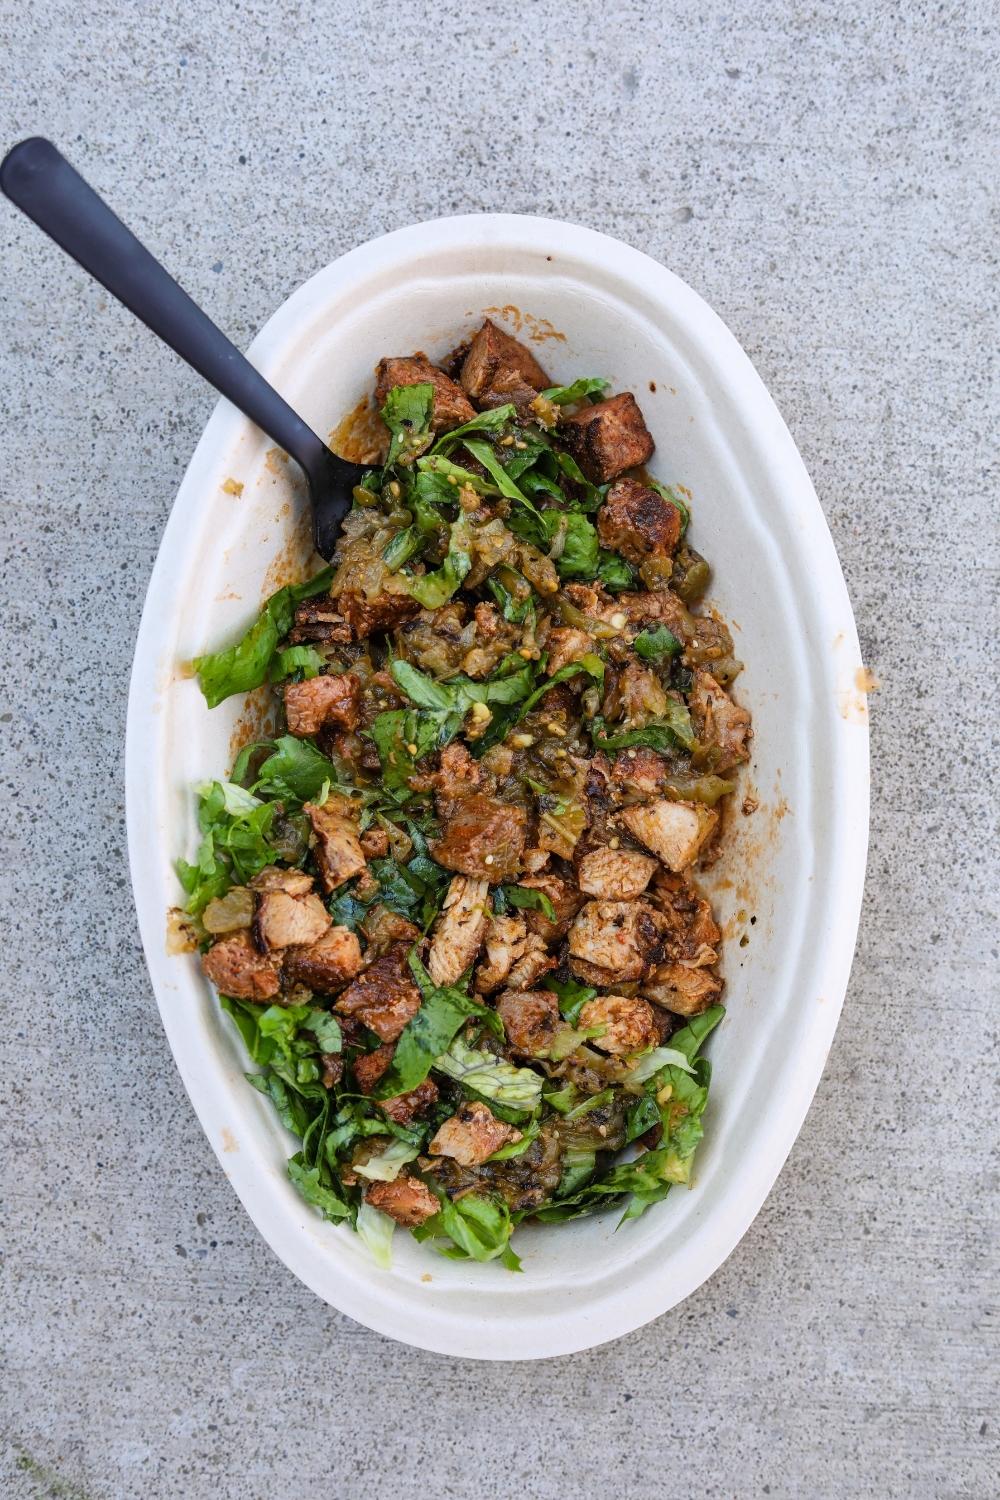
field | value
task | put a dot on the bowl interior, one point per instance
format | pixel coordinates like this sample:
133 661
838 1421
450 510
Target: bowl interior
789 877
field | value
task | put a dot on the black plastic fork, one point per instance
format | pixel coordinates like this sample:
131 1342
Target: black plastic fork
39 179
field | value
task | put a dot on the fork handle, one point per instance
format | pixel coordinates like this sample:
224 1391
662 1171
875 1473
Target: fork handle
40 180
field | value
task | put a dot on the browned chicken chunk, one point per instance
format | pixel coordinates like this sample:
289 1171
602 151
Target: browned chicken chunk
326 965
639 770
504 939
686 991
498 368
383 612
282 920
675 831
383 996
407 1200
566 902
722 727
274 878
451 406
628 1021
370 1066
319 620
482 837
615 874
531 1020
565 644
608 438
471 1135
338 850
637 522
238 969
459 930
403 1109
375 843
612 942
692 936
322 701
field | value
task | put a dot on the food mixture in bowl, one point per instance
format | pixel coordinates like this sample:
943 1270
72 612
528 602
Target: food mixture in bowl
452 910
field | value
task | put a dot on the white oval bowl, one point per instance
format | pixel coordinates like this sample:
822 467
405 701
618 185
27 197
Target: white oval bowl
796 865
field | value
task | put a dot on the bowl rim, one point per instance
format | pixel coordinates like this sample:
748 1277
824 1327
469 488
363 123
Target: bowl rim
428 1325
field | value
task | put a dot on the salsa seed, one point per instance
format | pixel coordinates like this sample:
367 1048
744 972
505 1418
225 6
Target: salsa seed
618 620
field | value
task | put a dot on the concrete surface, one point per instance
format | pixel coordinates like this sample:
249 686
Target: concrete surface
826 176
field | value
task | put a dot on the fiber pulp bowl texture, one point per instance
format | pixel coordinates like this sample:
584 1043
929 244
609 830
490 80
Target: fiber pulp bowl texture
788 887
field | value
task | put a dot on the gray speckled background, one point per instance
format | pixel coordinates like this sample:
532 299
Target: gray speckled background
826 176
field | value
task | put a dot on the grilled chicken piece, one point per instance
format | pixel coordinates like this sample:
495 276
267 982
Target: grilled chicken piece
326 965
533 861
531 963
564 645
274 878
383 996
375 843
482 837
615 874
566 901
370 1066
628 1021
692 935
675 831
451 406
505 938
458 931
685 990
531 1020
407 1200
384 928
322 701
613 942
338 849
319 620
608 438
720 724
498 368
240 970
403 1109
282 920
456 777
639 770
383 612
471 1135
637 522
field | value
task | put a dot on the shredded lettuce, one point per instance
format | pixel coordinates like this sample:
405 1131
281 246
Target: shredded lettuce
387 1166
443 1010
376 1230
489 1077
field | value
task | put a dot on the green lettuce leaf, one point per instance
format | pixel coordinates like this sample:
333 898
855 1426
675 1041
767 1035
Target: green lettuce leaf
614 572
296 771
491 1078
672 731
652 644
491 422
304 659
443 1010
244 666
310 1183
376 1229
571 995
564 395
436 588
526 898
479 1229
407 413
